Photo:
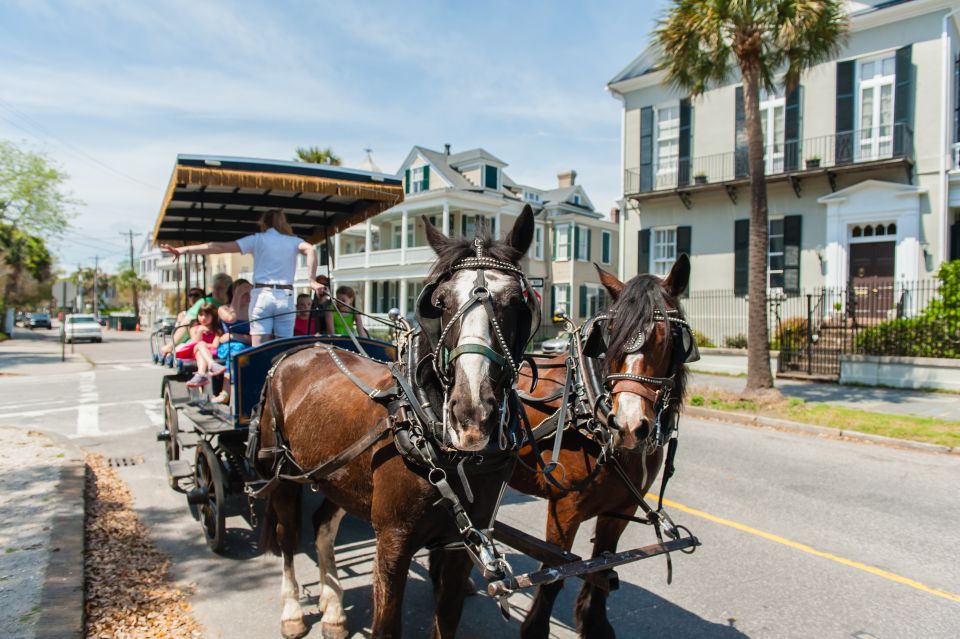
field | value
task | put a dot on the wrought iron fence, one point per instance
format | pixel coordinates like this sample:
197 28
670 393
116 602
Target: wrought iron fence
871 316
887 142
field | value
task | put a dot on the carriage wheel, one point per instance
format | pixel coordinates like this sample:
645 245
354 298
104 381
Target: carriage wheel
171 447
209 480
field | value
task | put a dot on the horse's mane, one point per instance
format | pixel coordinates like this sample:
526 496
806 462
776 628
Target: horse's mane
459 248
641 299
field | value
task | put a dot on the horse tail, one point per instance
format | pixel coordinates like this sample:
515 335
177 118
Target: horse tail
285 498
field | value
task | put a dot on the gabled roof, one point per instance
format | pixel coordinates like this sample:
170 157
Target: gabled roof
438 162
565 196
475 155
890 189
641 65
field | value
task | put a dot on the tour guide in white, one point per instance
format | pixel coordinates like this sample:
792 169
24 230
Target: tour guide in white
274 249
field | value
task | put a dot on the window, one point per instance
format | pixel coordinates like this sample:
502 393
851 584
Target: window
530 196
772 110
668 141
664 250
593 299
561 297
576 199
418 183
491 177
396 235
583 244
875 108
775 255
605 246
561 242
468 225
538 242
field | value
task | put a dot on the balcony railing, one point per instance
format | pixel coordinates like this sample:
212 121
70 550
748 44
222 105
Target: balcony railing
891 142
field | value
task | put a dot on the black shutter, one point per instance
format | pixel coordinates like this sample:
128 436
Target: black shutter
846 81
791 131
683 173
425 184
643 252
646 149
582 311
553 300
576 242
741 256
741 159
791 254
406 181
683 246
589 242
955 241
903 104
374 298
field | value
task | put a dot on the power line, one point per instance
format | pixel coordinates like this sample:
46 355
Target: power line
69 146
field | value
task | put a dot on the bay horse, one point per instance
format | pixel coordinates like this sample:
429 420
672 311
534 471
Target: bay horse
643 311
320 403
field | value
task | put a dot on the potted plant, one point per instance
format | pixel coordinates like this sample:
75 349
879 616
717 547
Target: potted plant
700 178
813 162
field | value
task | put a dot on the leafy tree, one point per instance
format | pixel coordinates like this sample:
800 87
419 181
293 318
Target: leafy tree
33 205
127 281
316 155
770 42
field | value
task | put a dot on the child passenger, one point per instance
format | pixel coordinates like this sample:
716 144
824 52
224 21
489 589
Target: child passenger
346 320
205 338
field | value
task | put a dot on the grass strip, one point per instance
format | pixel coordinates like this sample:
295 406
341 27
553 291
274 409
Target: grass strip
918 429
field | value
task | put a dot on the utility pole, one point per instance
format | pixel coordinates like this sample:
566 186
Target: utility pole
136 294
96 294
79 289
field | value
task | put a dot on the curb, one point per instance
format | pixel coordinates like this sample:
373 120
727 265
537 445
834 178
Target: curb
62 594
810 429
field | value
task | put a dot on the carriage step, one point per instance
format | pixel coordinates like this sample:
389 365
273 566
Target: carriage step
187 440
179 469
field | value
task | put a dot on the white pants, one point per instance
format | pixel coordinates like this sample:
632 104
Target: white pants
272 312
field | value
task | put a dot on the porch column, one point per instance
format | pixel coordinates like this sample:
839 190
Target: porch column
403 297
446 219
404 220
336 250
367 295
497 223
368 239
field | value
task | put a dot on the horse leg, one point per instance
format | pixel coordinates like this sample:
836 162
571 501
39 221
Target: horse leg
562 526
286 506
390 569
590 610
452 584
326 522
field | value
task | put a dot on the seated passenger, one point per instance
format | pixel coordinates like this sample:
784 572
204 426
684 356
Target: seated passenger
346 321
234 318
302 324
202 347
181 330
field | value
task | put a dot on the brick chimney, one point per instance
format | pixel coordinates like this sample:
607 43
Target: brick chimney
615 215
567 178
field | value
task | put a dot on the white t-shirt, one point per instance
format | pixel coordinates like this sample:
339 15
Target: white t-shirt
274 256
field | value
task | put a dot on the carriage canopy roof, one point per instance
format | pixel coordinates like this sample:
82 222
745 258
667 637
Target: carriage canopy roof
217 198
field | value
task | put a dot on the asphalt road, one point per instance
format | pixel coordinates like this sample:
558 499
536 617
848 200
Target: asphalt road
803 537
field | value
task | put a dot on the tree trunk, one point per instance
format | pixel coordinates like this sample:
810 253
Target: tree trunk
759 376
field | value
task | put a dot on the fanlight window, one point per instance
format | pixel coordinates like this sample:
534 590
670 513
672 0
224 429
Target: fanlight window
873 230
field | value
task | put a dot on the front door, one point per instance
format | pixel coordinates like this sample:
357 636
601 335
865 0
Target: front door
871 279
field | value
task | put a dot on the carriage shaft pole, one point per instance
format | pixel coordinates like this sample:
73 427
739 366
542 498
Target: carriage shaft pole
586 566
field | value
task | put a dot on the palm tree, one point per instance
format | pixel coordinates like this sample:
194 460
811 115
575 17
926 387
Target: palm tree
316 155
771 42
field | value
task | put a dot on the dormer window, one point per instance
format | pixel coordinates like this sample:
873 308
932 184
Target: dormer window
576 199
491 177
530 196
419 179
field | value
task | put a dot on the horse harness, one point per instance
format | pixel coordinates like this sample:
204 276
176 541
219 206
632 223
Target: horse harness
586 404
418 432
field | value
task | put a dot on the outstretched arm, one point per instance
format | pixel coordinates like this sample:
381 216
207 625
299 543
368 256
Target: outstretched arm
208 248
311 253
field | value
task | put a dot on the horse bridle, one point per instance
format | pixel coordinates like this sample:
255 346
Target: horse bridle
657 390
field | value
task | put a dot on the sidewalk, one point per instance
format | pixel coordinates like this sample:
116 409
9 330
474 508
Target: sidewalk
35 354
943 406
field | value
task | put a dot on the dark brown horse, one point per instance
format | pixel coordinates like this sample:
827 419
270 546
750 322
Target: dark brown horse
323 412
639 307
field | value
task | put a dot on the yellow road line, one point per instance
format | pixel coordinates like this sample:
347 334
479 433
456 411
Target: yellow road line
812 551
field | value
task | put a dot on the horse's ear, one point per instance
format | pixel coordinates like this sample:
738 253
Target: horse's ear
521 235
611 283
435 237
679 277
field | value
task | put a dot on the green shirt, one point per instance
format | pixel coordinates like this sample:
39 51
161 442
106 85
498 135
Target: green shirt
195 309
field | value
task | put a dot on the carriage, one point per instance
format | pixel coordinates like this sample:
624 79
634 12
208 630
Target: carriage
220 199
208 448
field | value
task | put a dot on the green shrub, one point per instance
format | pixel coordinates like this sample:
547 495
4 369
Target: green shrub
791 335
702 340
933 333
735 341
697 400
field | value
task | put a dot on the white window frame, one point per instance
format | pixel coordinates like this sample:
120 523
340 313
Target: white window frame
595 297
563 248
538 241
666 169
483 177
396 235
876 146
530 196
666 237
416 179
606 238
567 293
771 253
773 151
584 243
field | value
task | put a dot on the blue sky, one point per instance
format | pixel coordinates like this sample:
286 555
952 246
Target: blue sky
114 90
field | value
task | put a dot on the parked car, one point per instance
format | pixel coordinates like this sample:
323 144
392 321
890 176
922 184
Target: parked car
39 320
165 325
557 345
81 327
